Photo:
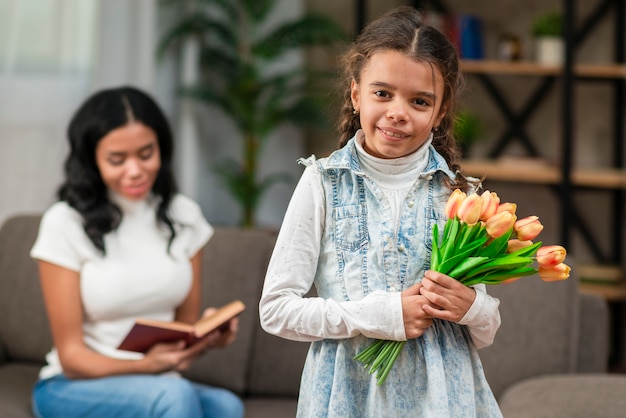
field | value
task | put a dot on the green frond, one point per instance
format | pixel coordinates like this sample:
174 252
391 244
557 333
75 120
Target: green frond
310 30
219 65
208 97
238 182
257 10
228 7
196 25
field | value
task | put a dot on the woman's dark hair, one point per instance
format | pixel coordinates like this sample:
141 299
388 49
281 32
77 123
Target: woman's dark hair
401 29
83 188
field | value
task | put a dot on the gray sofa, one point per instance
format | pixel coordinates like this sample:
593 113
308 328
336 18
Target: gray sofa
548 360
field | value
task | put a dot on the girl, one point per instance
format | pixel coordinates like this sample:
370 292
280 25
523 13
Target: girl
121 244
359 228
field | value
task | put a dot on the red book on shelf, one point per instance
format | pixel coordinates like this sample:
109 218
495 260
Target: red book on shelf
147 332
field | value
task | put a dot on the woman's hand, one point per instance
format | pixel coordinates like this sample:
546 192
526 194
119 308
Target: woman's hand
174 356
225 334
449 299
416 319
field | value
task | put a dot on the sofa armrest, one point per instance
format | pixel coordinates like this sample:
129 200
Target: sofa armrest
594 334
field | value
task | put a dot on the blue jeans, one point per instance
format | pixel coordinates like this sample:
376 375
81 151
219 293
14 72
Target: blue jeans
132 396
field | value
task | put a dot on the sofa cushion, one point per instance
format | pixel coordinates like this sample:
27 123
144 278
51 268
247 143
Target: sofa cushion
234 265
16 383
276 366
539 331
573 396
270 407
26 336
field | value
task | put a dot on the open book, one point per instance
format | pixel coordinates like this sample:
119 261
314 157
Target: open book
146 332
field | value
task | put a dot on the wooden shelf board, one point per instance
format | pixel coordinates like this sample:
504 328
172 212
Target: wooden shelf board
527 171
533 68
605 273
610 292
606 281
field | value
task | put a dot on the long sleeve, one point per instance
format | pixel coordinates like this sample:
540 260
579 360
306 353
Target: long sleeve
483 318
284 309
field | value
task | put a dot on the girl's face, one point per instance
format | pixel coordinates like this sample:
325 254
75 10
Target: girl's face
399 100
129 160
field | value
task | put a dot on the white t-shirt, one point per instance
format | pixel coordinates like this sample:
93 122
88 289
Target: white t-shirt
136 277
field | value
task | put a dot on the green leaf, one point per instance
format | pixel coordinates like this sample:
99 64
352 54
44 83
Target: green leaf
449 238
497 246
448 264
501 263
499 276
435 255
467 264
527 251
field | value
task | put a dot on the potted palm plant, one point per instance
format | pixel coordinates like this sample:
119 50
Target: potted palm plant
547 30
236 46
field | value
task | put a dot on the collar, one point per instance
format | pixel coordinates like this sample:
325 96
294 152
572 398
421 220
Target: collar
346 158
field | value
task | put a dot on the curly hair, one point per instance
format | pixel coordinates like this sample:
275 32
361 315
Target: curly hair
402 30
83 188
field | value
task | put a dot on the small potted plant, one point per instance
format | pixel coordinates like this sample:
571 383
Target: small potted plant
547 30
467 130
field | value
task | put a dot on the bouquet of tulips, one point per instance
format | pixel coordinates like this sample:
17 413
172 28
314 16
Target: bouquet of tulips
482 242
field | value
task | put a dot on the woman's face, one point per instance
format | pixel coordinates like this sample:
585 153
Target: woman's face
399 100
129 160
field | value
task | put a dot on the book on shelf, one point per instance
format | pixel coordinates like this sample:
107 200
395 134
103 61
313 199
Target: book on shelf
147 332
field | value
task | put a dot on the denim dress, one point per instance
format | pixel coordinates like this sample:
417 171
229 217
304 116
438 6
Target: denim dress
436 375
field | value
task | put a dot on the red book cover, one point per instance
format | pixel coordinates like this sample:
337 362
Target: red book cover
145 332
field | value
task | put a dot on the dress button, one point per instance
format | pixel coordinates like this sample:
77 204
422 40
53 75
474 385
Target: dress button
392 287
430 177
401 248
411 204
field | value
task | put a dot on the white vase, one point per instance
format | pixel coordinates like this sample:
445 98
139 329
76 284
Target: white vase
549 50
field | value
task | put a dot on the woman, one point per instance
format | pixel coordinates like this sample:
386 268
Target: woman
119 244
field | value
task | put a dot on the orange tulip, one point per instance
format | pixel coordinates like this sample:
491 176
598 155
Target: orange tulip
511 280
454 201
490 204
528 228
515 244
550 255
507 207
552 274
499 224
470 209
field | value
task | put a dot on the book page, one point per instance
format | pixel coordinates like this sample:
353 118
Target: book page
219 318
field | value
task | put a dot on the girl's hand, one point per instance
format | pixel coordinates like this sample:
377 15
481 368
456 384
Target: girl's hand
451 298
416 319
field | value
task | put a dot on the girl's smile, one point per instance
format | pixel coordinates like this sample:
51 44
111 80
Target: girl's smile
399 100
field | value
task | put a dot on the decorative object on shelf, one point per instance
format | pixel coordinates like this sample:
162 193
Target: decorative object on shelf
547 30
509 47
470 37
467 130
241 49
